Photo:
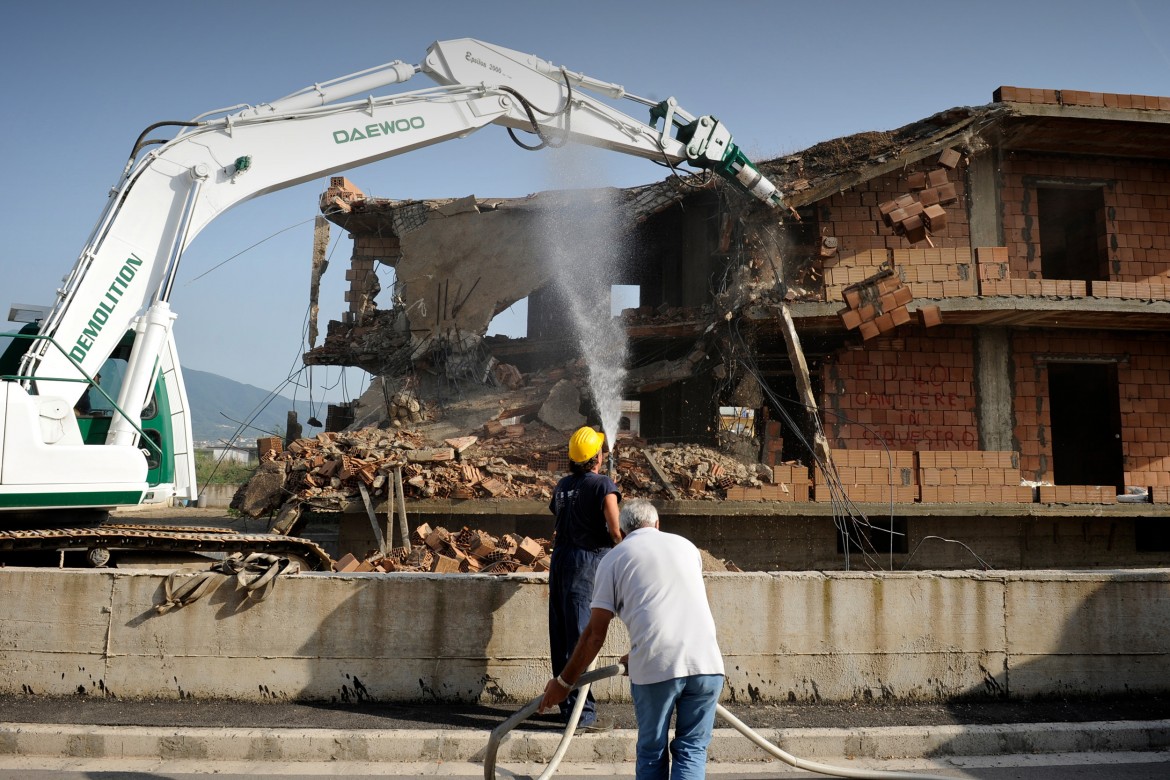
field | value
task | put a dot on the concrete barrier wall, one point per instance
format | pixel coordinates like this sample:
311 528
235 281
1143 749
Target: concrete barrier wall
217 496
419 637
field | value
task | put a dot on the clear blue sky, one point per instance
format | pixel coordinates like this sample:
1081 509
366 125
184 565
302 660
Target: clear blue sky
83 79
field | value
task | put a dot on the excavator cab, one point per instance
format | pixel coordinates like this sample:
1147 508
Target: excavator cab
94 412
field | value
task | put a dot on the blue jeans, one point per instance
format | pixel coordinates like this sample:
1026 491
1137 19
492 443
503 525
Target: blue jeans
570 590
694 698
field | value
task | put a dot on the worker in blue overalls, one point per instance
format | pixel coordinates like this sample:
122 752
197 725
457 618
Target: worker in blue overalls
585 503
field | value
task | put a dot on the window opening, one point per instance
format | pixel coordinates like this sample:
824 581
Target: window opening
624 296
1072 233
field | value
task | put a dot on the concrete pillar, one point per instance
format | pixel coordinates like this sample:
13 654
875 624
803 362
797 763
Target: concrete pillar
983 203
993 387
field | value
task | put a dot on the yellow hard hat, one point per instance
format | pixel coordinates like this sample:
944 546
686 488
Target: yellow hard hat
584 444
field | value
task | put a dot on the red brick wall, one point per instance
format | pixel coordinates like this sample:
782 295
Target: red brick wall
1137 206
1144 394
915 393
853 217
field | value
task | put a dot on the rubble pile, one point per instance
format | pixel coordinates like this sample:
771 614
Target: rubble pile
517 461
694 471
468 551
472 551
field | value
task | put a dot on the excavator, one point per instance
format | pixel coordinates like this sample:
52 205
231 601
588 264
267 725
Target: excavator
93 410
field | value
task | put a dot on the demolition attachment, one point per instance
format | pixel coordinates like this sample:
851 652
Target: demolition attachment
708 145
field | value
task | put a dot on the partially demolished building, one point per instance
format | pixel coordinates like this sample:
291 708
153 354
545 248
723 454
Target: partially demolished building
958 332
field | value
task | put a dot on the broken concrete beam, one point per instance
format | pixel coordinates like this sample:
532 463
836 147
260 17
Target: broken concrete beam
437 455
493 486
561 410
461 443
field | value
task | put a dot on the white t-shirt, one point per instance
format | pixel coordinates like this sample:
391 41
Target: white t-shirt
653 581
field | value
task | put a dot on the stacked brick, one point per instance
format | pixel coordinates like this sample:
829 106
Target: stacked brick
869 475
789 483
912 392
1073 97
1143 387
995 278
920 213
773 444
268 447
936 272
876 307
1152 290
1134 222
1078 494
966 477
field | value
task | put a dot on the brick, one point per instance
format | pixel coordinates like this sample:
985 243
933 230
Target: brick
947 193
529 550
900 315
949 158
937 177
1006 95
935 217
930 316
850 318
915 229
916 181
347 563
903 296
445 565
868 330
928 197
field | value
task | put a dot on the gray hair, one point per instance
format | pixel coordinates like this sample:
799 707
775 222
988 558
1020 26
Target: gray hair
636 514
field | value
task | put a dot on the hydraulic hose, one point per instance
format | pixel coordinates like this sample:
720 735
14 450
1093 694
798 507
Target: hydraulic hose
489 759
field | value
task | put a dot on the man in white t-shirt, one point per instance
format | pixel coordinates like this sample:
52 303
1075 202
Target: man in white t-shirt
653 581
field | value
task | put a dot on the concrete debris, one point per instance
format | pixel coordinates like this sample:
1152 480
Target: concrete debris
562 408
520 461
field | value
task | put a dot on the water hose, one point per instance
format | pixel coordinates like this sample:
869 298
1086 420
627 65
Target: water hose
489 759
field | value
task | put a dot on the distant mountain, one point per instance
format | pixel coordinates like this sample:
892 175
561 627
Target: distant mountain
214 399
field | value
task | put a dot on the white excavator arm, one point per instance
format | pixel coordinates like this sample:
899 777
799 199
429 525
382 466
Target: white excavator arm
170 190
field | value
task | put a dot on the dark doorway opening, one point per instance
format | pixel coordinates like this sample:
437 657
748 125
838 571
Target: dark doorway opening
1072 229
1085 423
876 536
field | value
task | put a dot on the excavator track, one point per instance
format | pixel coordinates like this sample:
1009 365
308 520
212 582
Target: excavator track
162 539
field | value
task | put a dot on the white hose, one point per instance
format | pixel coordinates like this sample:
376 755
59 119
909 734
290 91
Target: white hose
489 759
